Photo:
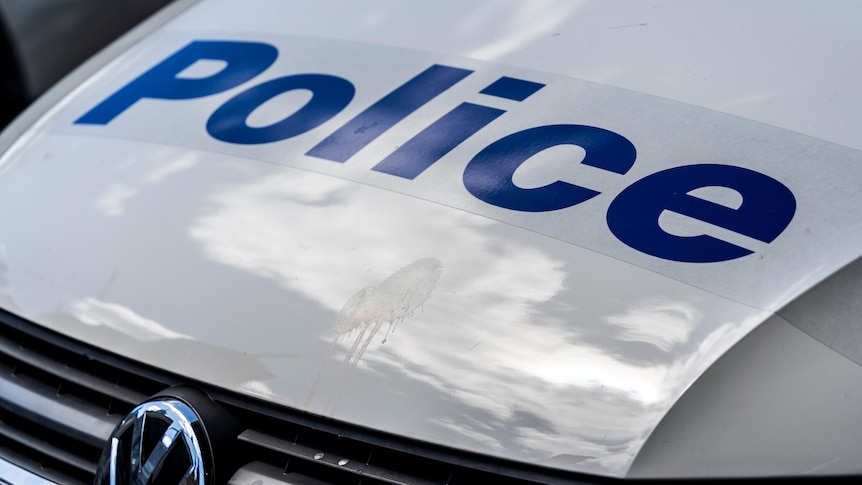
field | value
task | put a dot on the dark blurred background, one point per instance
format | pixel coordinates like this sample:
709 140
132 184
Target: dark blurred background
42 40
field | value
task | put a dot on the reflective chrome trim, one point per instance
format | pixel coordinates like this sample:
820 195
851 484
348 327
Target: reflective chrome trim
12 474
180 419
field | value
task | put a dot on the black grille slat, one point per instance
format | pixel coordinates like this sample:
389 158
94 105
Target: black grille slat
36 402
258 472
28 440
43 467
316 456
59 405
66 373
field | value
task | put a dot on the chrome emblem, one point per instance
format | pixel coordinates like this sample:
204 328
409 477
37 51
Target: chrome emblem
160 441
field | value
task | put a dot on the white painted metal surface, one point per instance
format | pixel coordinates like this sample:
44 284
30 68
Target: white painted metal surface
410 305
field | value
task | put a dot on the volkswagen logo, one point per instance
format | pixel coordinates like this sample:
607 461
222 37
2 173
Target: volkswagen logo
160 441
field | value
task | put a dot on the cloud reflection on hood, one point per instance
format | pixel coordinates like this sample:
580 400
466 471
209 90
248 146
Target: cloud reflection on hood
528 346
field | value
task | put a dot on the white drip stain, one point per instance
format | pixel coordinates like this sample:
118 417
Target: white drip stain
369 309
390 302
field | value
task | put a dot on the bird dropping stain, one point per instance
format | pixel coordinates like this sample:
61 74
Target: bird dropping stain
388 303
366 312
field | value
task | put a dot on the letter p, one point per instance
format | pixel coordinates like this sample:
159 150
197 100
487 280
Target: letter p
245 60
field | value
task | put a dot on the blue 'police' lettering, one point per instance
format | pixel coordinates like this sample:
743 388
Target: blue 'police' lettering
412 158
511 88
329 95
357 133
633 216
488 175
421 151
245 60
766 210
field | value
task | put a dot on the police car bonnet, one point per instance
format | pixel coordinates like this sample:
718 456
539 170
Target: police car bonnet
473 254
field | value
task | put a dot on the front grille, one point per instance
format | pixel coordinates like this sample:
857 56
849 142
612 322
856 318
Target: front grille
58 405
60 400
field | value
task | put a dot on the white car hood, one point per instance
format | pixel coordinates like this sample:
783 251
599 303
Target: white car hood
408 305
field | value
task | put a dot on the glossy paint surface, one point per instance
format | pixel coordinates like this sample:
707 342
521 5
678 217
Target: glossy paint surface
791 66
386 304
254 277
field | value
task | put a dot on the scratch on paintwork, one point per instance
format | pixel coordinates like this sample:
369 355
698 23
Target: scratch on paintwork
108 284
822 465
365 313
364 128
629 26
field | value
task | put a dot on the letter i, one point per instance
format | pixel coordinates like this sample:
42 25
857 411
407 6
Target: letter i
432 143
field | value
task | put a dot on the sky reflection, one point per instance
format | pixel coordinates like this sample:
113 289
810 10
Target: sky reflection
507 342
520 349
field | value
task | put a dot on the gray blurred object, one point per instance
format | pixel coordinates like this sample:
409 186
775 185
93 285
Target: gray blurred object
42 40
